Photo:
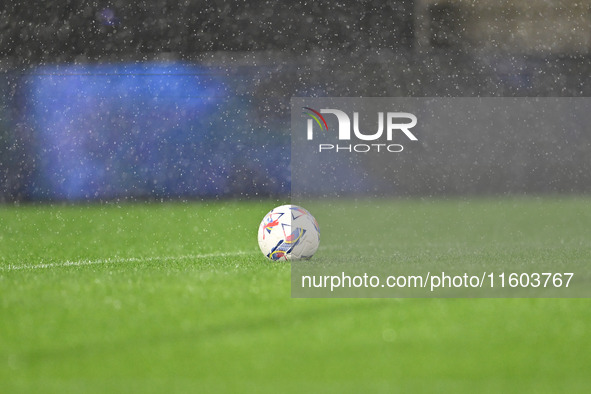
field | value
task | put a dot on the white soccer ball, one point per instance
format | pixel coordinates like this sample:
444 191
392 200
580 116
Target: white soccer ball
289 232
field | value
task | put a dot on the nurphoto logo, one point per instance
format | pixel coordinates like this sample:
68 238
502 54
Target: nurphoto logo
397 123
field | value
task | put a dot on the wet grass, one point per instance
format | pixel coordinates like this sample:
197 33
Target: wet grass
175 297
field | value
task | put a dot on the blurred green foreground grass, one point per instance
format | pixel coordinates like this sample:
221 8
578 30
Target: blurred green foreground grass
176 297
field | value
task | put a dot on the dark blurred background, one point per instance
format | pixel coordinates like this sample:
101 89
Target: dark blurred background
190 99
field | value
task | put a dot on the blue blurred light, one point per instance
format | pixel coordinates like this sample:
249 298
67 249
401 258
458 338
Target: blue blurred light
142 130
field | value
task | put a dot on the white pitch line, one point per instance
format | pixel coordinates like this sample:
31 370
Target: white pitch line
116 260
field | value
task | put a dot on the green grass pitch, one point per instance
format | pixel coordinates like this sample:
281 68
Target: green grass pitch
176 297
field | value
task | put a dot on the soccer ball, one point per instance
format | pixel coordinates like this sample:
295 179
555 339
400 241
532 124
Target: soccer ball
289 232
